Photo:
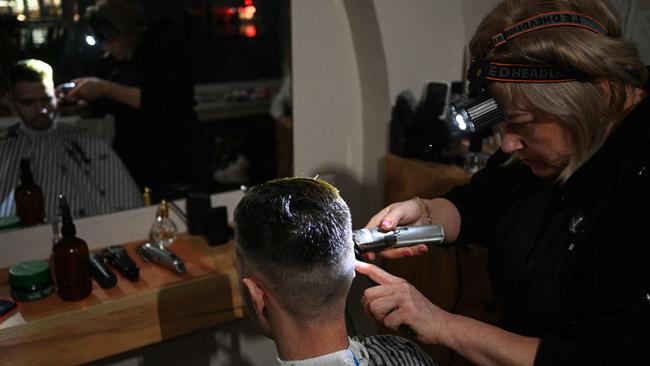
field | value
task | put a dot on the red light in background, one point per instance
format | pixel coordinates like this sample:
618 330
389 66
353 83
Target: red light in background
248 2
248 30
224 11
246 12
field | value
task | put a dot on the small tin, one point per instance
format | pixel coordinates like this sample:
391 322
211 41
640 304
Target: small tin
9 222
31 280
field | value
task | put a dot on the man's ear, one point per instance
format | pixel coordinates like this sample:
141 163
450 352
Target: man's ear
259 306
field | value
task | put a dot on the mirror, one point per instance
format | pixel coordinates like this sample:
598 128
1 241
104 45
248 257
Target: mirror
238 53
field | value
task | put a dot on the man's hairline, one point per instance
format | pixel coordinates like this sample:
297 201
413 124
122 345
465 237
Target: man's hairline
249 267
48 88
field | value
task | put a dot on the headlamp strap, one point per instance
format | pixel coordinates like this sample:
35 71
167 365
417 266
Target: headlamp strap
521 73
481 71
545 20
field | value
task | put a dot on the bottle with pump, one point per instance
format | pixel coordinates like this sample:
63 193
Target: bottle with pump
163 231
30 206
71 260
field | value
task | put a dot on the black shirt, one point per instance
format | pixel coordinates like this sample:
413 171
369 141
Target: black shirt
160 143
571 262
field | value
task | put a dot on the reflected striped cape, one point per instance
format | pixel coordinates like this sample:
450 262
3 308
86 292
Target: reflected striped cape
66 160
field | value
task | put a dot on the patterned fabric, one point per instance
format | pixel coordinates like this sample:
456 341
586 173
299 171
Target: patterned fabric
66 160
390 350
377 350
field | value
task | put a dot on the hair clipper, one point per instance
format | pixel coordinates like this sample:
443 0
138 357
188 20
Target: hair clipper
162 256
375 240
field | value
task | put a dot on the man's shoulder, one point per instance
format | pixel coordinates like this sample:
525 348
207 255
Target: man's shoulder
7 133
72 130
386 349
78 133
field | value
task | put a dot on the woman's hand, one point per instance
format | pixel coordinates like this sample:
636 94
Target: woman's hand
90 88
416 211
395 302
411 212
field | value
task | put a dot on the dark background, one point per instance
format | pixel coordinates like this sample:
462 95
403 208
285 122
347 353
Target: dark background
247 55
223 47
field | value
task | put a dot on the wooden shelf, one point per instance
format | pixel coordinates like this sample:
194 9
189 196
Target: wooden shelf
161 305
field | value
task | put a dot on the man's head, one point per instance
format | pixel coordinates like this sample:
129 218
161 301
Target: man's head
32 93
294 250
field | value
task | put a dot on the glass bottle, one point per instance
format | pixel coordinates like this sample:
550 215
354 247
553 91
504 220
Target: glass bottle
163 231
30 205
146 196
71 260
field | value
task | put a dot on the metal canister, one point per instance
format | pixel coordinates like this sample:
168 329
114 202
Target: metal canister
31 280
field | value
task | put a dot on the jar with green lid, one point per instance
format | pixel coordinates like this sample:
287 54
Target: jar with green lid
9 222
31 280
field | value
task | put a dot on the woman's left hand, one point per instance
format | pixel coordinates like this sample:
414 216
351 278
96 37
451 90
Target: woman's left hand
90 88
394 302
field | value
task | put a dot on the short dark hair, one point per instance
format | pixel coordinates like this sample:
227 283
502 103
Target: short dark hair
297 233
30 70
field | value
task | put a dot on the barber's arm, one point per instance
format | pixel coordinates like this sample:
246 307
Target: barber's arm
611 326
476 203
91 88
395 302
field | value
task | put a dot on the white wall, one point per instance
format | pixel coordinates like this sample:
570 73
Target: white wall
423 40
341 109
328 135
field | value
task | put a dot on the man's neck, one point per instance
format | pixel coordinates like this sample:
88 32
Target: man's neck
296 340
37 133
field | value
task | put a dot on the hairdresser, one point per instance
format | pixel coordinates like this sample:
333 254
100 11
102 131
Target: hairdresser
562 207
144 81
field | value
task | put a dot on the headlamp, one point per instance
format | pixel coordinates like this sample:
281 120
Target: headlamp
476 113
102 29
479 110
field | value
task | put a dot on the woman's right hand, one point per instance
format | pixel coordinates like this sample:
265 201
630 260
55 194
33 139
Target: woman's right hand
90 88
395 303
411 212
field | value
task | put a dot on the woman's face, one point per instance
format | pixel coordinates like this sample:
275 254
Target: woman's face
116 48
540 140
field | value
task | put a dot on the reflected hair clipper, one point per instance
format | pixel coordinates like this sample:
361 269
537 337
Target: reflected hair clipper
117 257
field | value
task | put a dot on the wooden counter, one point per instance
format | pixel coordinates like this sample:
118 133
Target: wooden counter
161 305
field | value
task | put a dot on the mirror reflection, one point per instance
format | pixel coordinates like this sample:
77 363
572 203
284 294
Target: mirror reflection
104 100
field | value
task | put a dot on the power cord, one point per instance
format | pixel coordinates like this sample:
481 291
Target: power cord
459 294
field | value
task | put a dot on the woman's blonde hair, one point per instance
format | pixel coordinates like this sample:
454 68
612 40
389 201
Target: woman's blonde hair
124 19
613 67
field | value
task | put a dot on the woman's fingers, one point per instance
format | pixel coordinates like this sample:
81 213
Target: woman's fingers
394 302
381 307
376 220
377 274
399 213
404 252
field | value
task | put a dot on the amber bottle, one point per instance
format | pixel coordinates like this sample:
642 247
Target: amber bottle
30 206
71 260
